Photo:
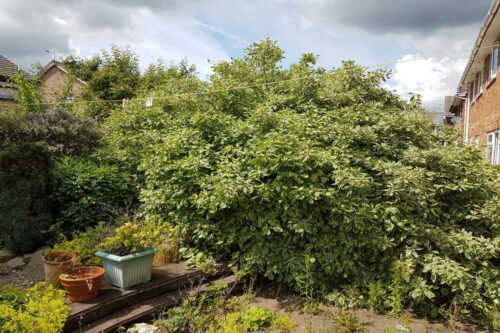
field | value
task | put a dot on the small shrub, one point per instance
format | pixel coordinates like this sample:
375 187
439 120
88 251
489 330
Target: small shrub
255 318
26 183
41 310
283 323
348 322
86 192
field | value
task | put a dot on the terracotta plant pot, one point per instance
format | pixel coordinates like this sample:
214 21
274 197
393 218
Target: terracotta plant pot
55 263
82 283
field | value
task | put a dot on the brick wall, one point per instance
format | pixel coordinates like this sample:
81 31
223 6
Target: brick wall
55 81
485 112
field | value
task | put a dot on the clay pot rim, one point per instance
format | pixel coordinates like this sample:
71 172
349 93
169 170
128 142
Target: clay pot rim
99 271
71 256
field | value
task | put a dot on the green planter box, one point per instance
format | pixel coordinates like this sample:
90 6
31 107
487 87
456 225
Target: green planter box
127 271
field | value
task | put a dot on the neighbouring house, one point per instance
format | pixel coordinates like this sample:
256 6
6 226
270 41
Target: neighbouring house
475 109
8 90
437 120
56 80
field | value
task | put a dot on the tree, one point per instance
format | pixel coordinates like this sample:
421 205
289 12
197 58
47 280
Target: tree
111 76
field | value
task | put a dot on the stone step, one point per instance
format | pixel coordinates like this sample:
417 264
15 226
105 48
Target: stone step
165 279
146 309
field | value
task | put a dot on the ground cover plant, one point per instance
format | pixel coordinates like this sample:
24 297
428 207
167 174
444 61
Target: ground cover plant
41 309
319 181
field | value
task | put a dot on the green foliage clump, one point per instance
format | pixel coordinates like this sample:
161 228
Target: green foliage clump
29 92
86 192
26 183
41 309
255 318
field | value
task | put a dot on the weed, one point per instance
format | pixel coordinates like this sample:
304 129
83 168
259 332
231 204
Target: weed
376 296
348 322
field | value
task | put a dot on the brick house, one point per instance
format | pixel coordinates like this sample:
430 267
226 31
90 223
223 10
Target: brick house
55 80
8 90
475 109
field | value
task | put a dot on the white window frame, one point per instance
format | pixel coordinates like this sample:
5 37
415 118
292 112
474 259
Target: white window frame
493 147
494 62
480 82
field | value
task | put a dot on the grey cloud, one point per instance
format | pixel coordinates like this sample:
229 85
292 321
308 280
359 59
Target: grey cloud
29 27
396 16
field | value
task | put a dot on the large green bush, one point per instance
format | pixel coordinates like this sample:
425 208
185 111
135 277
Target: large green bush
26 183
88 192
322 180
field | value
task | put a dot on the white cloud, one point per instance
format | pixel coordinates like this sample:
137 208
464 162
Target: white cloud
432 78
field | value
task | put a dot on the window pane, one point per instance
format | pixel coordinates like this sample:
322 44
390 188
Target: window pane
494 62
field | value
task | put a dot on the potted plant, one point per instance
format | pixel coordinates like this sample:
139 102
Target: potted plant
55 263
126 258
82 283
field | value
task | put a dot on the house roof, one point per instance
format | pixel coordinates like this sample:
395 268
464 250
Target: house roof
488 35
7 67
58 64
7 90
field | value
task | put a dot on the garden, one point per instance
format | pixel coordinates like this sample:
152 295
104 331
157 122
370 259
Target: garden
319 187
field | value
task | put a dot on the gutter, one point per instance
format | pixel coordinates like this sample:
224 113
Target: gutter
479 40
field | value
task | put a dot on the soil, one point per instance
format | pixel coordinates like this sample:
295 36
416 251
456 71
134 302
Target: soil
17 279
324 323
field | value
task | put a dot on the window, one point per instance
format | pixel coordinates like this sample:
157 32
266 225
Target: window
494 62
493 147
486 69
149 102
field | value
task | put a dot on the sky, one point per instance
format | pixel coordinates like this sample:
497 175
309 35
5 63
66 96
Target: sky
371 32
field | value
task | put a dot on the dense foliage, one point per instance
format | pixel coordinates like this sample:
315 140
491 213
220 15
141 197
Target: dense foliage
87 192
63 132
323 172
30 144
26 182
42 309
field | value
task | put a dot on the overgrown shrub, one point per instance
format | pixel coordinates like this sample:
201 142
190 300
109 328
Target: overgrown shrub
325 176
42 309
26 183
87 192
328 167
